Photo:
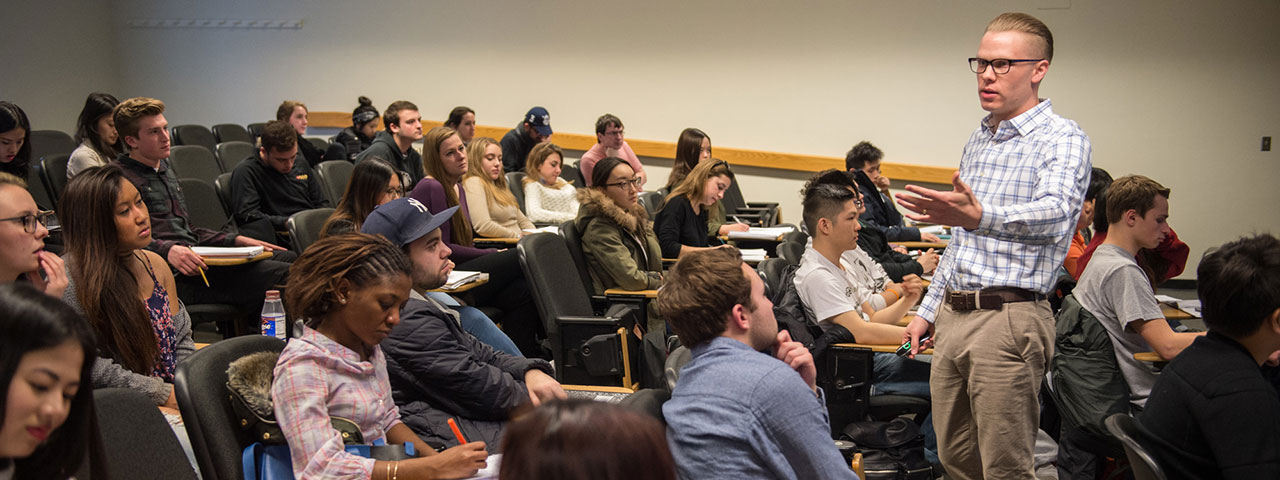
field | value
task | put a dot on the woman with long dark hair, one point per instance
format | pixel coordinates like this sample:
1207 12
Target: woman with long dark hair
46 352
373 182
348 290
96 134
126 292
444 159
15 140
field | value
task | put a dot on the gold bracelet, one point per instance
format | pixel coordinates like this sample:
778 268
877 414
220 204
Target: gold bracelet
395 474
388 476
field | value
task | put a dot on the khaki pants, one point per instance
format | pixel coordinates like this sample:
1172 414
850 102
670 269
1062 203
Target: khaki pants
987 369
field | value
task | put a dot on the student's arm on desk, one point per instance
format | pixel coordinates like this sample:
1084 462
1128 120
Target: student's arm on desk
911 289
869 332
1166 342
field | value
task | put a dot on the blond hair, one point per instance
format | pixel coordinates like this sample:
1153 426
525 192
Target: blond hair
539 155
1021 22
695 184
495 189
129 112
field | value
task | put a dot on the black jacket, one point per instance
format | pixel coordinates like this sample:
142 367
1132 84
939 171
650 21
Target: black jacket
515 149
897 265
883 213
384 146
308 150
260 192
439 371
351 142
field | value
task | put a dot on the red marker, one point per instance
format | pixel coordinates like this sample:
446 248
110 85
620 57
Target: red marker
457 433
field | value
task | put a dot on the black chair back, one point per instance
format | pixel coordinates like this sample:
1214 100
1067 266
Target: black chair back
204 209
223 184
546 261
136 439
573 241
515 182
231 132
36 186
771 271
733 199
201 387
320 143
195 135
50 142
648 401
54 170
191 161
334 176
255 131
791 252
652 202
304 227
571 174
795 236
233 152
675 361
1125 429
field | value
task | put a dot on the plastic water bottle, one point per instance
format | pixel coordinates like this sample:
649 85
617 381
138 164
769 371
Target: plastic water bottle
273 315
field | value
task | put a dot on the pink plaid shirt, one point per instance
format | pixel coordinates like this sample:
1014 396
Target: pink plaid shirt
316 378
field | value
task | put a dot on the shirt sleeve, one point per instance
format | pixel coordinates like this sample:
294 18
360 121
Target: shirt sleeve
794 420
667 226
1129 293
478 206
299 392
933 297
1056 198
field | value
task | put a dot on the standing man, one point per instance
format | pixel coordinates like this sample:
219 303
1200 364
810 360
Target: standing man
610 143
736 412
395 144
516 144
1017 195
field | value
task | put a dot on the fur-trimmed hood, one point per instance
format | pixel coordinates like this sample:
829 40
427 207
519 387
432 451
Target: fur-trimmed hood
594 203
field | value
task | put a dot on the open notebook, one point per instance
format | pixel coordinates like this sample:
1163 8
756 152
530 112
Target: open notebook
228 252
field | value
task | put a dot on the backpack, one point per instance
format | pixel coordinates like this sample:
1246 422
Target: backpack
1087 384
890 450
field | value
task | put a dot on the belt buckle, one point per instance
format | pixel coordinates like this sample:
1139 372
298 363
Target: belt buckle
963 301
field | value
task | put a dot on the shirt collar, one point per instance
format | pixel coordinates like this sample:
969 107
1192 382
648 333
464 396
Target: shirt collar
1023 124
338 353
717 344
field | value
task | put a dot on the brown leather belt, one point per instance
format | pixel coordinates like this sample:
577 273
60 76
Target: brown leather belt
989 298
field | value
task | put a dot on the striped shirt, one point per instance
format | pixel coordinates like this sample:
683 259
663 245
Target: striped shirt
317 378
1030 176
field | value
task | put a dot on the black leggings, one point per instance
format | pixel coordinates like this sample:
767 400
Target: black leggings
508 291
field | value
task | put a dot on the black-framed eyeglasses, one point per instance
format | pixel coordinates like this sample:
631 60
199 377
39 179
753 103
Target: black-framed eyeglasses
29 220
633 183
398 192
1001 65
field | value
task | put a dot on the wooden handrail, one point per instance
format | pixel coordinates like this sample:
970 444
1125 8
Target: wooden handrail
660 149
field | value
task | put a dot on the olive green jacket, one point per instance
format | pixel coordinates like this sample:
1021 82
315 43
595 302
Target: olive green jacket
621 249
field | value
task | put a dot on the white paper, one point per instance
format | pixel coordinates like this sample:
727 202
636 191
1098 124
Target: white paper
753 254
1167 299
547 229
490 470
458 278
761 233
228 252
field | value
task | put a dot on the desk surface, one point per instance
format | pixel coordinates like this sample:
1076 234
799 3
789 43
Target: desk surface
879 348
631 293
598 388
921 245
1147 357
499 241
228 262
1174 313
466 286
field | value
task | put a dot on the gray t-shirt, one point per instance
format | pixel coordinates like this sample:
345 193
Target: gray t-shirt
1114 289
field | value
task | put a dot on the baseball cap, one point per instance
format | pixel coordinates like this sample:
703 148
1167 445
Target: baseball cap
404 220
540 120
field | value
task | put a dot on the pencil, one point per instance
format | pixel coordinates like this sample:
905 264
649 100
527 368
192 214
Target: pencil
206 279
457 433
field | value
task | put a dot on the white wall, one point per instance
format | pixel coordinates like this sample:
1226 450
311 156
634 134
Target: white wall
1179 90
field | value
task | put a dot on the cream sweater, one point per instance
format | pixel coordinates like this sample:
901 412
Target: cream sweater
488 218
552 205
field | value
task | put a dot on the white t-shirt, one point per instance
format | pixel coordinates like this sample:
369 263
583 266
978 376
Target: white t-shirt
826 290
1116 291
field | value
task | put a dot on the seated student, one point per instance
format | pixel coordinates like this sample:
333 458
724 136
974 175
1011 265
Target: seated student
1211 414
126 292
490 203
609 143
439 371
96 134
403 126
585 440
863 160
692 148
347 290
359 136
373 182
1117 292
620 247
462 119
1161 263
738 413
295 114
274 183
15 141
681 225
445 161
547 197
142 124
1099 179
48 423
516 144
22 234
871 240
